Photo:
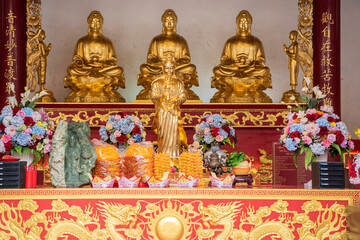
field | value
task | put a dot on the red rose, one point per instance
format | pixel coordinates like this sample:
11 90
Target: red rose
203 120
122 114
8 146
2 127
352 172
15 110
32 145
215 131
121 139
231 139
294 116
295 134
323 131
226 128
28 121
136 130
339 137
312 117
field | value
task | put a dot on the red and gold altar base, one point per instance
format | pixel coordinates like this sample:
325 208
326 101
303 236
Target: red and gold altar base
190 213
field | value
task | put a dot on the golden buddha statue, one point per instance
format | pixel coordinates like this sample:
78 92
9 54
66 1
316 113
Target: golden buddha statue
168 93
293 54
242 75
168 41
94 75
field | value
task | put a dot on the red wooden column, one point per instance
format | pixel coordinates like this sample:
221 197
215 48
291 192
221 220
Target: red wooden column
12 48
327 51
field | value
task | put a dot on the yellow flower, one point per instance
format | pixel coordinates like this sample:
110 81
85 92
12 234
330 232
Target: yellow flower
357 132
39 123
332 124
108 126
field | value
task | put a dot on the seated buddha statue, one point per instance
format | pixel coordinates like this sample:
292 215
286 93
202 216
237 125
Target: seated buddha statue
168 42
94 76
242 75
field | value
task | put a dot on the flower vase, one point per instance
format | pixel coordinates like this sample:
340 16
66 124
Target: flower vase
28 157
122 148
323 157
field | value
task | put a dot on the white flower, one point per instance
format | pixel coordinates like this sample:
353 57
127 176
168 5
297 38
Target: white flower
318 93
37 96
13 101
12 87
307 81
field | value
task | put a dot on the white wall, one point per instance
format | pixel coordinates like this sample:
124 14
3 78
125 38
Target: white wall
206 25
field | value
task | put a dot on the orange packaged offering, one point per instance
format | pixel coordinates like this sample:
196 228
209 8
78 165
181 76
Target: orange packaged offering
139 159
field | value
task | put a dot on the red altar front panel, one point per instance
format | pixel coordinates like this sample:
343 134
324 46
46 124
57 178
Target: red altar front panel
174 213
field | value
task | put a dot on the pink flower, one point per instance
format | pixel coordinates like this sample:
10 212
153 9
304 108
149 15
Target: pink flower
47 148
40 136
219 138
210 120
5 138
312 128
36 116
326 143
344 144
11 130
333 129
117 133
297 140
21 113
307 139
206 131
331 137
351 144
325 115
28 130
173 169
117 117
131 141
327 108
287 129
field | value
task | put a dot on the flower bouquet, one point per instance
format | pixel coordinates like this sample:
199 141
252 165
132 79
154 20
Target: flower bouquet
122 129
214 129
314 130
24 129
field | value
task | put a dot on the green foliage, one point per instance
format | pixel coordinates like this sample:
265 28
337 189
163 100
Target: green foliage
235 158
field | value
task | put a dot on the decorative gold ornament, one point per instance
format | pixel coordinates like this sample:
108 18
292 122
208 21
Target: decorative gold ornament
94 76
265 169
242 75
168 93
305 31
168 41
292 52
36 51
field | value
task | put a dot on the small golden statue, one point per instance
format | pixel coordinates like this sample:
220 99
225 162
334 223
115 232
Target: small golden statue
293 54
94 75
168 93
168 41
242 75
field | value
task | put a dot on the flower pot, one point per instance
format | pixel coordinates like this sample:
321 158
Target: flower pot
241 171
323 157
28 158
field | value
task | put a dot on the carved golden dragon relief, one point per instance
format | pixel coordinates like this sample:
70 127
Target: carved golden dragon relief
151 220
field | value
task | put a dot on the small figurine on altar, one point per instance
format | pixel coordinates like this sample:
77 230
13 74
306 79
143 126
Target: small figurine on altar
94 76
168 93
214 164
242 75
293 54
168 41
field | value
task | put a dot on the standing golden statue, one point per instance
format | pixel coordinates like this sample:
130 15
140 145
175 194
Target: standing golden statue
293 54
94 75
242 75
168 93
168 41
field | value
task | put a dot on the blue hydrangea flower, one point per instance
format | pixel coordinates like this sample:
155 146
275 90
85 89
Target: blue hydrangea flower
322 122
296 127
17 121
137 138
204 125
317 148
217 118
196 138
223 134
290 144
112 138
6 111
28 111
127 129
208 138
23 139
342 127
232 131
36 129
